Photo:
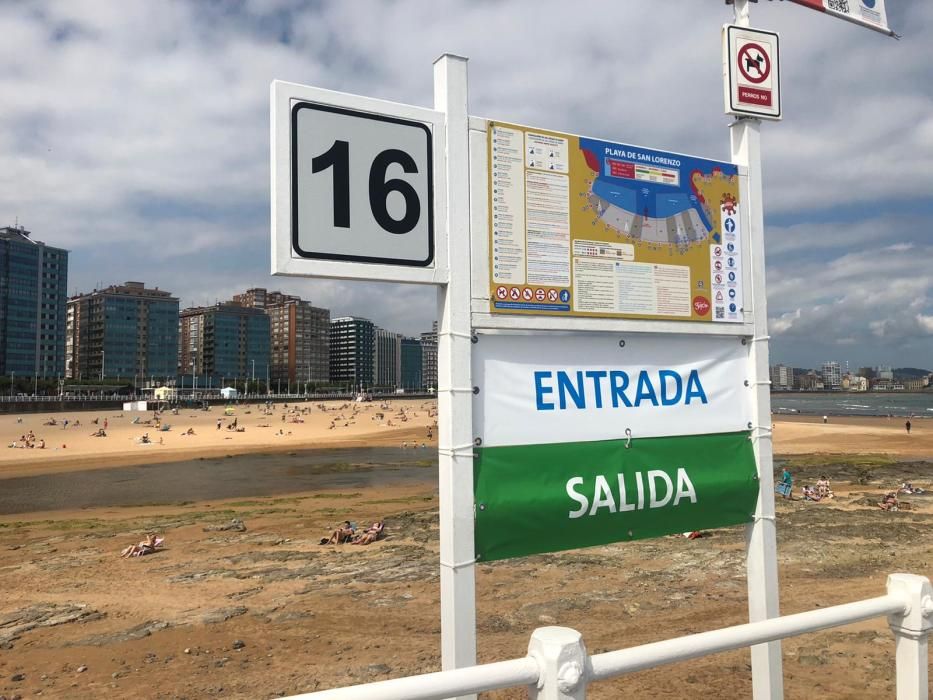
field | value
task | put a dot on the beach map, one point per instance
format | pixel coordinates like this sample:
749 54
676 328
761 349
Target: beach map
583 227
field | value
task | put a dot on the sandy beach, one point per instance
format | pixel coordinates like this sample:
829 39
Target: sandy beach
257 608
244 429
307 425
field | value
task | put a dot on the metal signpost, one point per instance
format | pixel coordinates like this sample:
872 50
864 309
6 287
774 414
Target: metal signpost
602 347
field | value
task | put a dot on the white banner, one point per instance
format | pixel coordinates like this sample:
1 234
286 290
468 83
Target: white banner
868 13
557 388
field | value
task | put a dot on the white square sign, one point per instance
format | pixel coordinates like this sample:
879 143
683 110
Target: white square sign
353 183
751 72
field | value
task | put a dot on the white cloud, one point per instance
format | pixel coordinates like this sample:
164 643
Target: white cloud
138 138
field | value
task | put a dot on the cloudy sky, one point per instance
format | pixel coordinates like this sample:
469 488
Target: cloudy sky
135 134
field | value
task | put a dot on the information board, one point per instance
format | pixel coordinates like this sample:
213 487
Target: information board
588 228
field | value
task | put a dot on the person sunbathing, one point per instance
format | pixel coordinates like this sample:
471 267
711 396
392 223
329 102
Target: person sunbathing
371 534
810 494
889 502
147 546
823 489
343 533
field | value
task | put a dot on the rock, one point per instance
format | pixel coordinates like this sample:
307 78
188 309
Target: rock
17 677
238 644
82 668
377 670
547 620
235 524
137 632
187 650
222 615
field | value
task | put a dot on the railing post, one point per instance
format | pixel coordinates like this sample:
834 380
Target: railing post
911 629
561 655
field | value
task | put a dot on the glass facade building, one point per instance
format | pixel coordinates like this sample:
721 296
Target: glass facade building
411 359
387 368
299 336
33 283
123 331
352 352
223 343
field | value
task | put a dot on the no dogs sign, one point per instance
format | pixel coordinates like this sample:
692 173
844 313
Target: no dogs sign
750 72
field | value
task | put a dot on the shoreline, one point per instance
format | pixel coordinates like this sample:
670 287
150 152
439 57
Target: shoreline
268 435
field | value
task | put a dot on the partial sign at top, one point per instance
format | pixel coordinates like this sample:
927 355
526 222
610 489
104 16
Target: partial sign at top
868 13
751 75
593 229
353 186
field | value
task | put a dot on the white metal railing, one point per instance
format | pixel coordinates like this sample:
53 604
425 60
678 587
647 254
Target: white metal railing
557 666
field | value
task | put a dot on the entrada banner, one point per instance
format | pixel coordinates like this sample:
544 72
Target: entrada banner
588 440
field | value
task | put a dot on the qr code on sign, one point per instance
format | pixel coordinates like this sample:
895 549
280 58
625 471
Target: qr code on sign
720 312
839 5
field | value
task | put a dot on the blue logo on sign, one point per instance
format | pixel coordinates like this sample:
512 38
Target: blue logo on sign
731 262
730 247
564 295
870 4
732 277
732 294
732 308
729 225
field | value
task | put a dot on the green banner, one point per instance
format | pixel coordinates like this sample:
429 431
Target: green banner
546 498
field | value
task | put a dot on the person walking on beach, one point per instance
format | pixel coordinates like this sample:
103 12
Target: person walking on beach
907 425
219 421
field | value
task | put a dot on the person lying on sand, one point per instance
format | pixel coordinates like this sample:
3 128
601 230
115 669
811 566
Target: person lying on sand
889 502
371 534
810 494
343 533
147 546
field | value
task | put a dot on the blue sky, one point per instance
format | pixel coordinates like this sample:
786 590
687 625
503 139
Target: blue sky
136 135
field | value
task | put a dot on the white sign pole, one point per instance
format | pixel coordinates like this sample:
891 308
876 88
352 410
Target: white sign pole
455 388
760 536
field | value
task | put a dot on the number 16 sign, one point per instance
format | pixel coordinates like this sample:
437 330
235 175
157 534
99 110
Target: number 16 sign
353 186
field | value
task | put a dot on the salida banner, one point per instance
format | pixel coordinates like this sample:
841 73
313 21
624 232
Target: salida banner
588 440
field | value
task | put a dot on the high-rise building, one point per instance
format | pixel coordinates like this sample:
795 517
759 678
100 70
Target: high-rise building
123 331
352 352
410 364
33 284
298 335
223 343
782 377
832 375
429 357
387 365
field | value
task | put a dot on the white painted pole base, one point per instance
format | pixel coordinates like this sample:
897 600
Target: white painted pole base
561 654
911 631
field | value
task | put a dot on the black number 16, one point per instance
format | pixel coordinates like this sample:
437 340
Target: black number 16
338 157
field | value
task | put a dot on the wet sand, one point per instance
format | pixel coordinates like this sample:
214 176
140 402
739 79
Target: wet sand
853 435
212 479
